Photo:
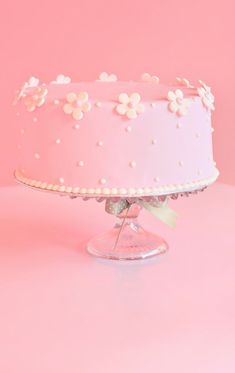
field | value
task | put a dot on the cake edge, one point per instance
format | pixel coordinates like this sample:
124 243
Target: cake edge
115 192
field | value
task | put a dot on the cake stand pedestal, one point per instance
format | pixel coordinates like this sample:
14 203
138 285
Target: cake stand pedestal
127 240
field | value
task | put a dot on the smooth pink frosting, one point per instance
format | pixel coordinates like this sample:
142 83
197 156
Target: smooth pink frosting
164 148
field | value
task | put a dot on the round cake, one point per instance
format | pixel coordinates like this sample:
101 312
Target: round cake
115 138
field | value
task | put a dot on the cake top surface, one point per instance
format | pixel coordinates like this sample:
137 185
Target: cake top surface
110 91
108 88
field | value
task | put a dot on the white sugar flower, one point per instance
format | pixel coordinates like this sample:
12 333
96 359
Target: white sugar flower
77 104
207 97
21 92
61 79
178 104
35 98
185 82
105 77
146 77
130 106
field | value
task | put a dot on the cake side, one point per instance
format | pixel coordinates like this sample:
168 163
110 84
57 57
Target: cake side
108 143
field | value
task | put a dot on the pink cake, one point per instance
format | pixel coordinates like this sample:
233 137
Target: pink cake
111 137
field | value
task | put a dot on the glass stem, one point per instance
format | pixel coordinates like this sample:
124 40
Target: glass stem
121 227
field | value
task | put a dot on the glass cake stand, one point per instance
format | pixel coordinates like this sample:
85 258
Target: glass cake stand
127 240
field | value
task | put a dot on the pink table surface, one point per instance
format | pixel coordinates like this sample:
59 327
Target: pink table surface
64 311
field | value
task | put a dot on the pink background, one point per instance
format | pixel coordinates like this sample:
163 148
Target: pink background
193 39
63 311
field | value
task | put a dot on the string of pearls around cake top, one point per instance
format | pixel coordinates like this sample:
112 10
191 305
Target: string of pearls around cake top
130 106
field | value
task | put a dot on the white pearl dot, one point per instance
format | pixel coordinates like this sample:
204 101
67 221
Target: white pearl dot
58 141
91 190
212 129
214 163
36 155
197 135
154 141
56 102
80 163
178 125
76 126
100 143
102 180
35 119
156 179
132 164
98 104
128 129
114 190
181 163
61 180
153 104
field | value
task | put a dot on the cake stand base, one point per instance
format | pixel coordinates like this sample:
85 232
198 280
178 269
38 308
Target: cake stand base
127 240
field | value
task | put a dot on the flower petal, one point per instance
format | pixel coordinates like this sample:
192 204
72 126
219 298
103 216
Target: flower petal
62 79
211 106
121 109
211 97
33 82
173 106
208 103
131 114
179 93
40 101
155 79
112 78
30 106
140 108
171 96
182 110
135 98
103 76
201 82
77 114
86 106
124 98
28 100
41 91
201 92
82 96
145 77
71 97
68 109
